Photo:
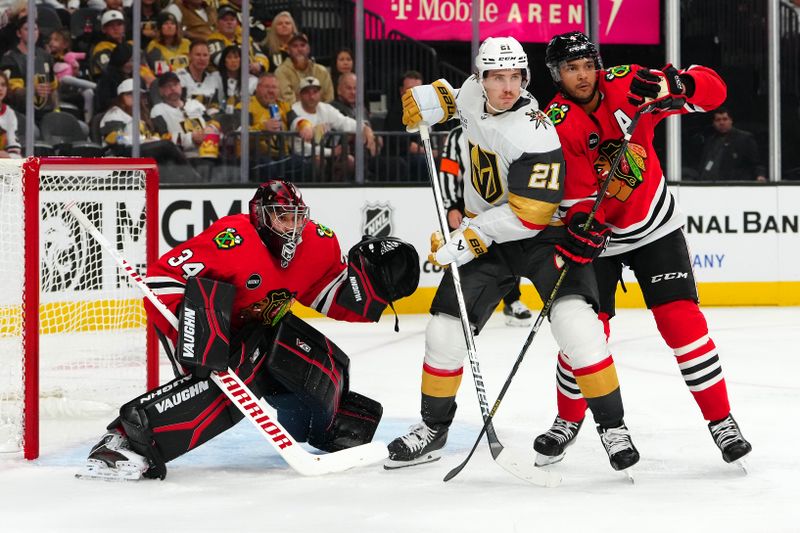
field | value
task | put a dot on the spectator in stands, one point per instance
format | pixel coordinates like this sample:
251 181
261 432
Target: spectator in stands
116 127
198 17
230 79
187 124
276 45
199 82
168 51
229 33
730 154
14 64
343 63
312 119
65 63
272 157
150 12
405 146
112 25
257 30
120 68
300 66
9 146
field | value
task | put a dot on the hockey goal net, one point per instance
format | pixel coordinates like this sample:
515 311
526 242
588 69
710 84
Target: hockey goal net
74 339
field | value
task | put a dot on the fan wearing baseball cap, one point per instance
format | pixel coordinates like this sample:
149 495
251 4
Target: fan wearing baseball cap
229 32
302 65
112 26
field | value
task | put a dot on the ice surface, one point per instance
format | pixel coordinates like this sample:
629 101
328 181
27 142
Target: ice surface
236 483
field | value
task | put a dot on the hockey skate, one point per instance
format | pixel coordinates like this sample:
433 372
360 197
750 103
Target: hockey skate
422 444
111 459
551 446
618 444
516 314
729 439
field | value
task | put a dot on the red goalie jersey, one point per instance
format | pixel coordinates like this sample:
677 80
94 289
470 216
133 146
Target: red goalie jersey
638 207
231 250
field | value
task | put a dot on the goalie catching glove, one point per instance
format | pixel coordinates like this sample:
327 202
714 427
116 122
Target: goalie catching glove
380 270
429 104
465 244
657 90
583 246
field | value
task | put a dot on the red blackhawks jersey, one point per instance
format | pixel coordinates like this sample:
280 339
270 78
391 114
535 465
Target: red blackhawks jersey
231 250
638 207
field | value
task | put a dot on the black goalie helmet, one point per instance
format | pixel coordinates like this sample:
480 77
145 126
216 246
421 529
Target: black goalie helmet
279 214
569 46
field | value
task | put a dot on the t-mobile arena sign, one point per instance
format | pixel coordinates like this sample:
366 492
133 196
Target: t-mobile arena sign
621 21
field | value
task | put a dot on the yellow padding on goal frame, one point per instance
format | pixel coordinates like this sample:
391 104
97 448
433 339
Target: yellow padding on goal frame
97 315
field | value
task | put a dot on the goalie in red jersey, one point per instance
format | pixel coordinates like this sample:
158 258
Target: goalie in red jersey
591 112
232 287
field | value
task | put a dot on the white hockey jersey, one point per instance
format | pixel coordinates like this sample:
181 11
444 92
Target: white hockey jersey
516 176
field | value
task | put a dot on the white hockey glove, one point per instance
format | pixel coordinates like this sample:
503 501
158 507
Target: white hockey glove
430 104
466 243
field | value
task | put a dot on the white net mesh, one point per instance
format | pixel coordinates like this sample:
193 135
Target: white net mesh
92 322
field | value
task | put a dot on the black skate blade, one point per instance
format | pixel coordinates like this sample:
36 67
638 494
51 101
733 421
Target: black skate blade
431 457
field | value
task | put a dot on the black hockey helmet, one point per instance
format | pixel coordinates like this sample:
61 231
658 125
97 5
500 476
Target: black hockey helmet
569 46
279 214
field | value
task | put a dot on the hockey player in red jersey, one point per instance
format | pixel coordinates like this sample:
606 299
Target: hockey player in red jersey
233 286
510 199
592 110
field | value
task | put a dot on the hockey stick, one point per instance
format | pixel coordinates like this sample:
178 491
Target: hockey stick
254 409
513 465
546 308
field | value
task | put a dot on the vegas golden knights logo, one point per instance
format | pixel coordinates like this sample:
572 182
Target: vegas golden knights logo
485 173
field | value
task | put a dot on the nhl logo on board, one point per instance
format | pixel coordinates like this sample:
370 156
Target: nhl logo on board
376 219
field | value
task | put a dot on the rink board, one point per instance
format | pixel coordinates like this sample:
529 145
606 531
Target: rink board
743 240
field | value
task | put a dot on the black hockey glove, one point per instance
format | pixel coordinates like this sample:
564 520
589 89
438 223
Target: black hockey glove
583 246
657 90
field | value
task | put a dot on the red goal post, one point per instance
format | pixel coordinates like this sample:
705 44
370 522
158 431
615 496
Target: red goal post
74 338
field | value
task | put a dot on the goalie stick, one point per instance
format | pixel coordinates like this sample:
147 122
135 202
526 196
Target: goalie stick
546 308
263 416
520 466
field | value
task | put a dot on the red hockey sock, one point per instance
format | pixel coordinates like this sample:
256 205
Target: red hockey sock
571 405
683 327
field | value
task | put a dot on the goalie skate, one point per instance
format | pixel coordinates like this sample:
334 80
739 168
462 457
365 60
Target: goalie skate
112 460
422 444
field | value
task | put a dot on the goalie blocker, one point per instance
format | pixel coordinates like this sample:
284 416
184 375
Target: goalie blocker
293 366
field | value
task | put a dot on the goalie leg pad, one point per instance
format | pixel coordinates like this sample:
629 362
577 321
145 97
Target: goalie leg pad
179 416
354 424
306 378
204 330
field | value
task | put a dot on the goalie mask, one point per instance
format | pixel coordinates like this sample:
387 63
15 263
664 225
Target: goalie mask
568 47
279 214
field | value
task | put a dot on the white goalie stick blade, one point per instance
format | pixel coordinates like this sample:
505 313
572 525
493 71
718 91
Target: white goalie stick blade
265 420
522 466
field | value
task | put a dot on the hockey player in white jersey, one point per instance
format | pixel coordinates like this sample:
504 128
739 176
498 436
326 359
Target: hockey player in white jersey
509 229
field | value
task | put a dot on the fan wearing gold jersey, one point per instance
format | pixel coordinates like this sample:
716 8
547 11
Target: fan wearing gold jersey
509 229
